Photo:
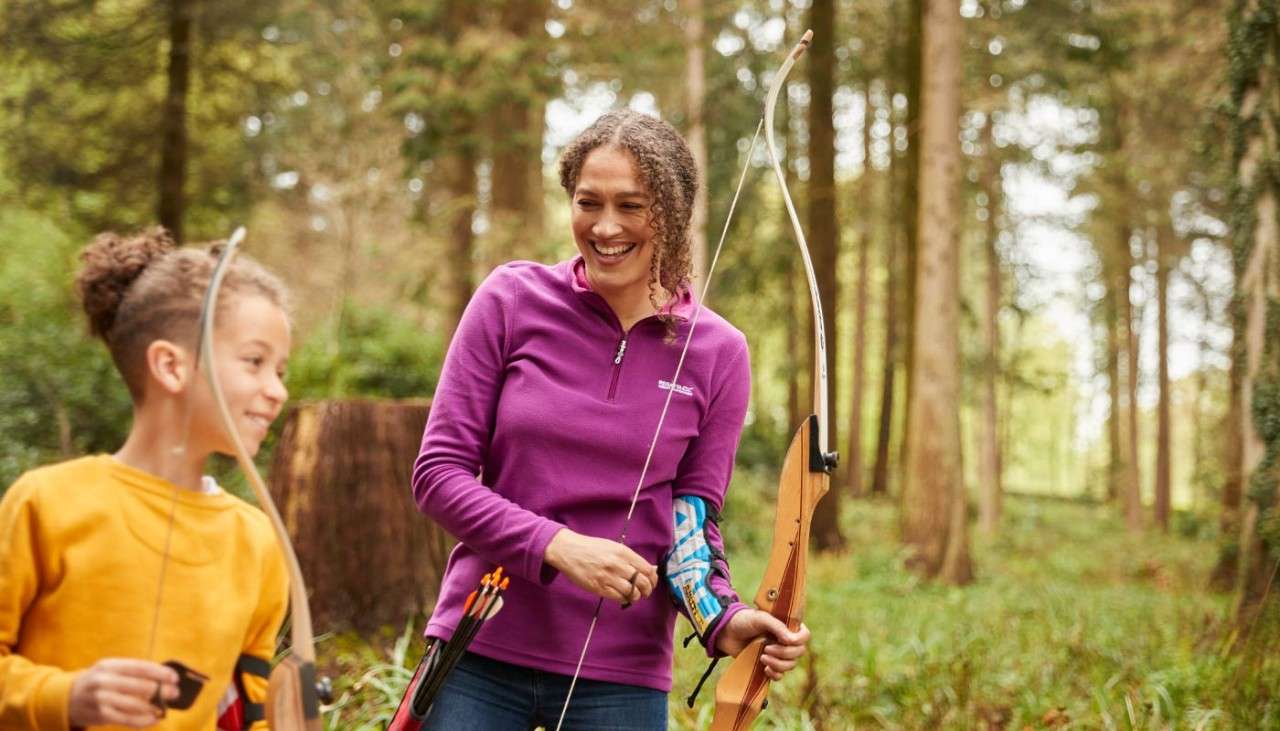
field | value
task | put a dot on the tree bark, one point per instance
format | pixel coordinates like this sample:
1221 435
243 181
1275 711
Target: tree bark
991 488
824 233
797 311
1163 497
1133 483
340 477
1223 577
911 193
173 132
934 523
853 452
1255 34
516 134
695 127
1115 415
459 173
889 358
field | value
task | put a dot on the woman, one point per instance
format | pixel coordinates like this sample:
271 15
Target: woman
540 430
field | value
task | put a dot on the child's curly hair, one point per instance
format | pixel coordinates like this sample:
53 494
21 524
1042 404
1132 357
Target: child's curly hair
141 288
669 174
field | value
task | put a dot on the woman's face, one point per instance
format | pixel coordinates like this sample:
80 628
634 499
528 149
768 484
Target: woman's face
612 224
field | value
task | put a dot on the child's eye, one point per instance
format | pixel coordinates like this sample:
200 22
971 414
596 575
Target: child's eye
255 360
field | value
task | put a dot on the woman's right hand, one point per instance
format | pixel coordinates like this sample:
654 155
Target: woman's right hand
603 567
118 691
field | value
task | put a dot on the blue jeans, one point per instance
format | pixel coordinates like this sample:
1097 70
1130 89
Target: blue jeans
487 695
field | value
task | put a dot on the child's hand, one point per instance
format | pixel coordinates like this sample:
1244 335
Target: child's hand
119 691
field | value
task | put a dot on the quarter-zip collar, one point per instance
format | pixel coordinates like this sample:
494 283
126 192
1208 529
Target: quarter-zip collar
681 306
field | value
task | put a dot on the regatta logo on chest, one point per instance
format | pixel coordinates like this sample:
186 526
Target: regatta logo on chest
668 386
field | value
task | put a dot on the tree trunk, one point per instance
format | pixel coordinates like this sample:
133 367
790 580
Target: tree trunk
911 193
1257 256
340 477
173 132
1163 497
797 311
824 233
1132 483
459 173
516 137
892 265
853 453
934 523
991 488
1223 577
1115 415
696 128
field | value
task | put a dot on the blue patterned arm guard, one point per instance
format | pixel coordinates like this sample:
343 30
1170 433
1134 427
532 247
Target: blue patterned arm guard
691 563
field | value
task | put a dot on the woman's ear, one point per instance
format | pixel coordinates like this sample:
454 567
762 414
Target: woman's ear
170 365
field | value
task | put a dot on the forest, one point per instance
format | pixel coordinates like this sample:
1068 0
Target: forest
1047 245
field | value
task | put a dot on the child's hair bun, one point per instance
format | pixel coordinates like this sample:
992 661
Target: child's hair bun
112 263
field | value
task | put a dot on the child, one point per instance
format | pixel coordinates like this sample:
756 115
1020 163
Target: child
111 565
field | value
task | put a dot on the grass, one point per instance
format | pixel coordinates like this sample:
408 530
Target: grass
1071 623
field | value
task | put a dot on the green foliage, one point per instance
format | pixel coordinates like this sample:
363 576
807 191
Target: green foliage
60 396
1072 619
83 102
379 353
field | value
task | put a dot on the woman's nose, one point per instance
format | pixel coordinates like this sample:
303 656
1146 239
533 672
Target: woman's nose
606 226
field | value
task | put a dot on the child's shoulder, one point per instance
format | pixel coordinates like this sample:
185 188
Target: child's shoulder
55 481
254 527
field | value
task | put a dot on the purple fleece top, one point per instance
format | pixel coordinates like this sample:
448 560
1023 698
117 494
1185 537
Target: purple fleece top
538 424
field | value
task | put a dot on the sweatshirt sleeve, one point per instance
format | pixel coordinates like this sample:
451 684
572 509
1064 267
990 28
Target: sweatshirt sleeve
456 441
32 696
260 642
707 468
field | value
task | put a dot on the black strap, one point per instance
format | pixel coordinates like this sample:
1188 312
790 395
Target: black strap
253 712
250 665
706 674
253 665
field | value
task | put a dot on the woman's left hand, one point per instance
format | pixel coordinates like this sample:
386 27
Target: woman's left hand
782 646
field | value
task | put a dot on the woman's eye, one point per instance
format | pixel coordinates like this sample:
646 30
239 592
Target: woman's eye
254 360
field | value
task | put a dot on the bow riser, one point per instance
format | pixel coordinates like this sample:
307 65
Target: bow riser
741 692
292 701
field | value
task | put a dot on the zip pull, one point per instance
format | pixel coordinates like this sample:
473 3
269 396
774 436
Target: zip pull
622 348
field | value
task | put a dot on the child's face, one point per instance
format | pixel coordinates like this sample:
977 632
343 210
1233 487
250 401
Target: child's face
251 351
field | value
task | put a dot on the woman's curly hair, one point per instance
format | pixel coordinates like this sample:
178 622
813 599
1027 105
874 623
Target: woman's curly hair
669 174
140 288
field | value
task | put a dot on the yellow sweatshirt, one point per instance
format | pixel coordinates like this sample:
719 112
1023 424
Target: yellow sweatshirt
81 549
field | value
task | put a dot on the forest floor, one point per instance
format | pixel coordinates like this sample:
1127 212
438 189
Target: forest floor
1072 622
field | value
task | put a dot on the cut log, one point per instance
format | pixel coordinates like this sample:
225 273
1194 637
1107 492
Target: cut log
341 477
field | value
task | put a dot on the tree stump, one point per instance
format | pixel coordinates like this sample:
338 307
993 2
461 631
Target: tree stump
341 477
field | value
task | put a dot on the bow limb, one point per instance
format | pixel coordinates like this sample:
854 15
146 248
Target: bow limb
819 328
293 701
742 691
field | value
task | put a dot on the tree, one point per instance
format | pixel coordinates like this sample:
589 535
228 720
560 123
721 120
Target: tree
934 516
824 231
1256 231
99 98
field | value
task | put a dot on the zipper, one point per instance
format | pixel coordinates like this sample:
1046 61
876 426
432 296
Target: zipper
617 366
